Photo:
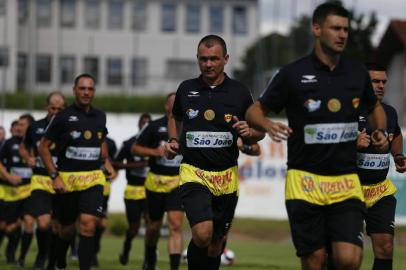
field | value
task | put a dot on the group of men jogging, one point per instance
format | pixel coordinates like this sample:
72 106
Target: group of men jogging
56 171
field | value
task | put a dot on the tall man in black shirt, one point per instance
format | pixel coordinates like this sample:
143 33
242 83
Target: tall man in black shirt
206 121
323 94
373 167
80 132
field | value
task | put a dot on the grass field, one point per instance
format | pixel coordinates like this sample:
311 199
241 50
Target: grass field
258 245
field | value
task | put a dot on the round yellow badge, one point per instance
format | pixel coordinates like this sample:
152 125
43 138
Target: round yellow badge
209 115
334 105
87 135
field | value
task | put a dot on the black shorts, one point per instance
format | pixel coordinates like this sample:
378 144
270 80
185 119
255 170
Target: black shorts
158 203
105 206
314 226
15 210
134 209
380 217
201 205
39 203
2 210
69 206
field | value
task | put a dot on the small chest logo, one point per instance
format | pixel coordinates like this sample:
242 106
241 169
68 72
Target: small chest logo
73 118
75 134
162 129
40 131
228 117
312 105
308 79
193 94
334 105
209 115
87 134
355 102
192 113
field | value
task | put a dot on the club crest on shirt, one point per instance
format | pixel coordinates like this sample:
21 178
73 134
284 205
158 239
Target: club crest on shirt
75 134
209 114
228 117
192 113
312 105
99 135
334 105
87 135
355 102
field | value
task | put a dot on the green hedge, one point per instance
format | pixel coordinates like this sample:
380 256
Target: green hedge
135 104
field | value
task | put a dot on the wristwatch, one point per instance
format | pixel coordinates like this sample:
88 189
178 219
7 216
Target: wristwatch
172 140
53 175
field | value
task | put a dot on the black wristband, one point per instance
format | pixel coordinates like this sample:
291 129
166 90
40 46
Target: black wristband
247 148
54 175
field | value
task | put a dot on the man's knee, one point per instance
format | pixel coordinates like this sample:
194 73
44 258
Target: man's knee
202 233
88 225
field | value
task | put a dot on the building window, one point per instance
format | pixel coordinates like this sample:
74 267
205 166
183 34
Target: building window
4 56
67 68
193 19
91 66
240 23
44 13
139 18
92 15
139 71
116 14
181 69
216 19
21 71
22 11
114 71
68 12
43 69
3 7
168 17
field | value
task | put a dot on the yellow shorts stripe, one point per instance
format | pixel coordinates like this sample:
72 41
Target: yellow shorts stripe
373 193
77 181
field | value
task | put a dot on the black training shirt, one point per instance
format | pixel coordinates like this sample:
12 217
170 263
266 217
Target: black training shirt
322 107
79 136
154 135
208 140
373 166
134 176
14 163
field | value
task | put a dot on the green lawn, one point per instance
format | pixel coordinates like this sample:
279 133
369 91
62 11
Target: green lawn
258 245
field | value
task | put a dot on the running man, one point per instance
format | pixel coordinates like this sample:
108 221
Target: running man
373 167
17 192
161 189
40 202
79 131
206 121
136 169
323 94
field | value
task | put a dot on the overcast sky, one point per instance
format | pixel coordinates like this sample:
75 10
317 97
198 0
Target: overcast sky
278 14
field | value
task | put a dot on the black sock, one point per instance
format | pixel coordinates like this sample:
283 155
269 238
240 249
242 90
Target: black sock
97 237
13 239
174 260
213 262
25 244
85 252
2 233
53 242
197 258
43 239
382 264
150 256
127 242
62 246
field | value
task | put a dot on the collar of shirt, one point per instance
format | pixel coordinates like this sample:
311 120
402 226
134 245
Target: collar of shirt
78 109
218 88
318 65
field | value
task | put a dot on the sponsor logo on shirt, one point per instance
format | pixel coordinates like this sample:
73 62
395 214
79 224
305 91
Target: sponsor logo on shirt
308 79
40 131
15 147
312 105
193 94
163 161
15 159
22 172
73 118
83 153
162 129
362 119
192 113
75 134
205 139
373 161
330 133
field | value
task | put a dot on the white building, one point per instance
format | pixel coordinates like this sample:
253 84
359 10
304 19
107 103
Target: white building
130 46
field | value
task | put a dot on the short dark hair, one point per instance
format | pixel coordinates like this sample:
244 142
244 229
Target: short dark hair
375 66
145 115
54 93
210 40
331 8
14 123
28 117
84 75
